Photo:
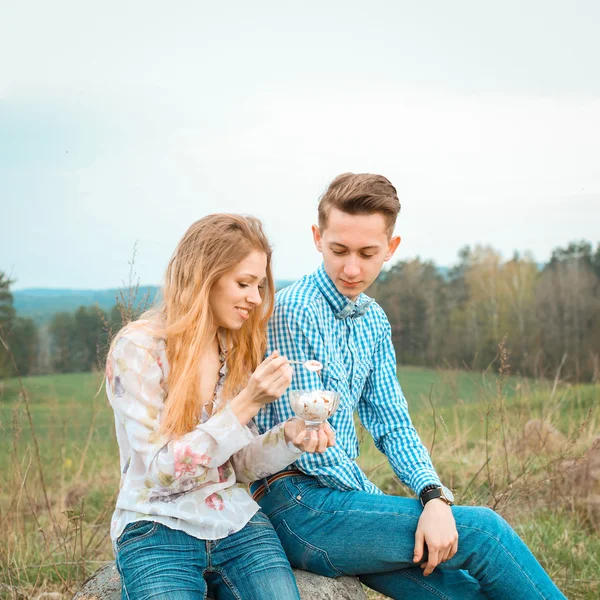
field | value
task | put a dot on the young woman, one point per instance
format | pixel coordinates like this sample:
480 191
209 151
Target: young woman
185 382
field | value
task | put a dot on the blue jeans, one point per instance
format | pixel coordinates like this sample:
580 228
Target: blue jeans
371 536
157 562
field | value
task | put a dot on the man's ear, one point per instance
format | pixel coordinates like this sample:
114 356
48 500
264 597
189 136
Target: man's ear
317 238
392 247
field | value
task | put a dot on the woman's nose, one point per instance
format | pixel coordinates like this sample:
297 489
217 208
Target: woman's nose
254 297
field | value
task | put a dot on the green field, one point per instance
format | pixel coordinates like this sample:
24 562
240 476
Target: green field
472 422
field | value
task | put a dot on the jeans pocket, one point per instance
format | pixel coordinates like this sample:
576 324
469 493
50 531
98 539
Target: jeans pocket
135 532
304 555
305 482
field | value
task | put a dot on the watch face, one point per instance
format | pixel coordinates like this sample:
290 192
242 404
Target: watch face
448 493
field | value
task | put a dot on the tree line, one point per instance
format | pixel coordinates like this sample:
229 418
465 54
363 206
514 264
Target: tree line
547 317
72 342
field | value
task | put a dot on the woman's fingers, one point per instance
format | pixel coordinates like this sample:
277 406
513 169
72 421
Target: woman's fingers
298 441
272 377
310 444
322 443
326 427
265 363
282 381
313 441
275 365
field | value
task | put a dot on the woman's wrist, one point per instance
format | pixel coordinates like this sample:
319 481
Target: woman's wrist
289 430
244 407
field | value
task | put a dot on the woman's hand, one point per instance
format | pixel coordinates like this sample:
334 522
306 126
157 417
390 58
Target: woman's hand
437 529
270 380
316 441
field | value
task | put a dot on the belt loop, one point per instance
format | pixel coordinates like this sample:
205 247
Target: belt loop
267 487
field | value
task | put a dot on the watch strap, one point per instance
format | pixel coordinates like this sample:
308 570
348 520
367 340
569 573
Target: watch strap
433 492
426 489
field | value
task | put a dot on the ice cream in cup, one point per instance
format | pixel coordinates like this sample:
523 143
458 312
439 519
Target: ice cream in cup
314 406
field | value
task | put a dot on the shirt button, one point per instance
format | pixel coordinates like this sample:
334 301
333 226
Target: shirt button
298 497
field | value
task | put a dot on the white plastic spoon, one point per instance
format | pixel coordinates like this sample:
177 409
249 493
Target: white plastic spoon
311 365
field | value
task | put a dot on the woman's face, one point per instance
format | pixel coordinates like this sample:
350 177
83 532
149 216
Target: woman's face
237 293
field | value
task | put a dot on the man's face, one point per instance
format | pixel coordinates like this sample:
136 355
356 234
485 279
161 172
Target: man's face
354 248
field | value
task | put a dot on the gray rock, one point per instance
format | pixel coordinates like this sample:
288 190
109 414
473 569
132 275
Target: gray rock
317 587
105 584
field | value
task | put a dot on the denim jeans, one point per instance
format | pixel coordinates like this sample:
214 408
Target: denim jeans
157 562
337 533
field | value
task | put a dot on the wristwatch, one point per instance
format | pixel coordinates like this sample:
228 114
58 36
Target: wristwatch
431 492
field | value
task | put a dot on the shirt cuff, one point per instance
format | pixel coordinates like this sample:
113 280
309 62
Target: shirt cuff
226 428
294 449
424 478
286 446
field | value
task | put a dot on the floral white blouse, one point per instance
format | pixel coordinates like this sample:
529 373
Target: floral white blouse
198 482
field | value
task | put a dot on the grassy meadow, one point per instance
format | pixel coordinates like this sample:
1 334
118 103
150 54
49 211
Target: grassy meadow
58 482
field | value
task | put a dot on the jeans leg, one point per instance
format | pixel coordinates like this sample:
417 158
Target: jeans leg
156 562
496 556
357 533
411 584
252 564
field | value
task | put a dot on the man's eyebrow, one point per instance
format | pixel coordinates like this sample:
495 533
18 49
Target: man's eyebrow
361 249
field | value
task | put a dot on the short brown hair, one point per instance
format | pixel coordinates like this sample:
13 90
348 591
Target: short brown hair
360 194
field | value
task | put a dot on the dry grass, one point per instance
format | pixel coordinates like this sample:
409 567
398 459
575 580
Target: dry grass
59 471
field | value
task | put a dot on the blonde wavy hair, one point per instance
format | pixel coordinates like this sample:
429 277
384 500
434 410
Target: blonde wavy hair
209 249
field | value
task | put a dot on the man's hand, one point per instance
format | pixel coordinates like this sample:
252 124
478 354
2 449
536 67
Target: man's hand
316 441
437 529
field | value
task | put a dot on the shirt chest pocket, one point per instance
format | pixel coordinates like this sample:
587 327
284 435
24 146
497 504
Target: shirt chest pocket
362 370
335 377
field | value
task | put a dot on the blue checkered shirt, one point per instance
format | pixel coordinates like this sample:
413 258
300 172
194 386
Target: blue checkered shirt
312 320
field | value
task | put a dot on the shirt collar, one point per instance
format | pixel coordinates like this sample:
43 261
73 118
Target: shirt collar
342 307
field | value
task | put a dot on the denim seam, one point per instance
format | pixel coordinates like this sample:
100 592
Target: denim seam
266 523
315 548
215 543
286 506
295 501
233 589
123 586
131 526
161 594
425 585
139 538
507 552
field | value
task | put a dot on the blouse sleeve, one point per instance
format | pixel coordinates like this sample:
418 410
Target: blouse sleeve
134 389
265 455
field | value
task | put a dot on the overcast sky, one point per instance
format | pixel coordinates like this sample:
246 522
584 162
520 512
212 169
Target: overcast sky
128 121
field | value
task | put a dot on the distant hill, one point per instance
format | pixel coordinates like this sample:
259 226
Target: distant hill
41 304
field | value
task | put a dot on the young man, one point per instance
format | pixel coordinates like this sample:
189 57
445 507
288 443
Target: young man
330 518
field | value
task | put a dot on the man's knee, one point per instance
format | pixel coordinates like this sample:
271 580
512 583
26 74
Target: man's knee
485 521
